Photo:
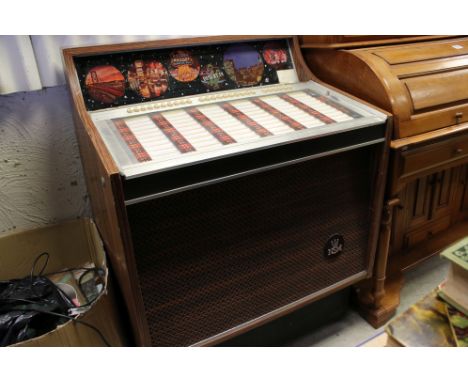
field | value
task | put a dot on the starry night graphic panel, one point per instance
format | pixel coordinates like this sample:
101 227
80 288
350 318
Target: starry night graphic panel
132 77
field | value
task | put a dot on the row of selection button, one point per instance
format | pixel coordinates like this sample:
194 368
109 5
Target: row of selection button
278 89
219 96
206 98
158 105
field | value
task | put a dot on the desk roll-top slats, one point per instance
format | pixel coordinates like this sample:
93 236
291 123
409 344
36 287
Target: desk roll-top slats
423 84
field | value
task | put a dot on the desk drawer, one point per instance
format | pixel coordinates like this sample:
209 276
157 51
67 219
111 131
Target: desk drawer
435 154
428 231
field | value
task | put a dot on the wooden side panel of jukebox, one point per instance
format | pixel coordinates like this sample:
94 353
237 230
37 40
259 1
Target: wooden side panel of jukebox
230 189
424 85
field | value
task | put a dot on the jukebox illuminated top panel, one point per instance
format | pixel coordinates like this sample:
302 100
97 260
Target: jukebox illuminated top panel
171 107
128 78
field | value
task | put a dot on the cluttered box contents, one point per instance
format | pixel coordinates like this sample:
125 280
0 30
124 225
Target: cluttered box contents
54 288
441 317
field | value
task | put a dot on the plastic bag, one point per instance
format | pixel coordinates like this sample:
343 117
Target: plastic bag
30 307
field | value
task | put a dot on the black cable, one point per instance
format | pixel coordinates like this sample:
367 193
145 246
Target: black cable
37 302
46 254
99 271
73 270
74 319
101 280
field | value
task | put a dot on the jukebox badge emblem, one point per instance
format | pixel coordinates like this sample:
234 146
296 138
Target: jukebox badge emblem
334 246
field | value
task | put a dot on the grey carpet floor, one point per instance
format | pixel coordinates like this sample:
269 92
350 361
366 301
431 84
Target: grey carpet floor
352 329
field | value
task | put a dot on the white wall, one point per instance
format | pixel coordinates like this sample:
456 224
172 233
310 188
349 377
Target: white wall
47 50
18 67
41 178
32 62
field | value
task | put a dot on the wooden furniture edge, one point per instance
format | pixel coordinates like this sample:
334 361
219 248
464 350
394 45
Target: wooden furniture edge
447 39
356 44
82 114
117 242
398 144
379 200
167 43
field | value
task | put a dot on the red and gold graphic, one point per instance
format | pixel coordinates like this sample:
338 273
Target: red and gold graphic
148 78
210 126
132 142
212 77
246 120
105 83
275 55
184 67
243 65
306 108
177 139
293 124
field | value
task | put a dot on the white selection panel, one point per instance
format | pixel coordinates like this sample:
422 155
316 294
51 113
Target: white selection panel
276 114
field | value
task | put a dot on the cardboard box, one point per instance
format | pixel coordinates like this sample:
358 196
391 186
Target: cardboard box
70 244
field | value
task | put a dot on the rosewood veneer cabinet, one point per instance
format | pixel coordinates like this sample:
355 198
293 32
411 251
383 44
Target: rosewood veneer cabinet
230 186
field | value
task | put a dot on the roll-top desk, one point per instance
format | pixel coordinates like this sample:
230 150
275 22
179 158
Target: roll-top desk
425 86
230 188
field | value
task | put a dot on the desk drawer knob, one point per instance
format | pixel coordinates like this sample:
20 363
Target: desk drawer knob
458 151
458 117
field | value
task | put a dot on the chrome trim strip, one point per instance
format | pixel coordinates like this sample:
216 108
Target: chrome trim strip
146 198
302 301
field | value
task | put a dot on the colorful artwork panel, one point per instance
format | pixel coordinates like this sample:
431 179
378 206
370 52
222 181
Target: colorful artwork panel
184 66
212 77
243 64
148 78
275 54
105 83
126 78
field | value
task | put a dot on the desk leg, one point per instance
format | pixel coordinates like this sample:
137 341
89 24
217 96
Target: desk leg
379 297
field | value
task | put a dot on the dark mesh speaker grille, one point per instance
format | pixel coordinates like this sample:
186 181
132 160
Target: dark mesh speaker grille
212 258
